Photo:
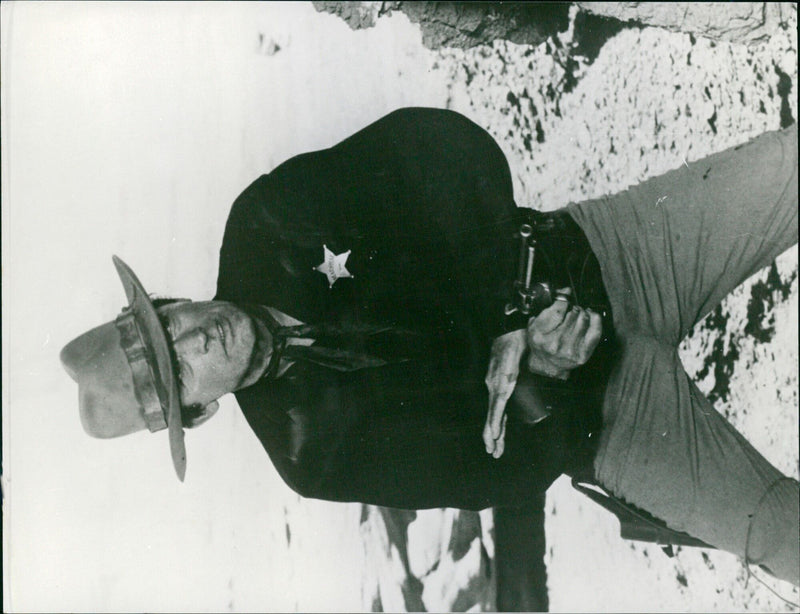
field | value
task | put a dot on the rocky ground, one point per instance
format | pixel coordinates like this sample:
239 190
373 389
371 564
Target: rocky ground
578 117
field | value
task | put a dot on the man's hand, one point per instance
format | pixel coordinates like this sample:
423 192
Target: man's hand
562 338
501 379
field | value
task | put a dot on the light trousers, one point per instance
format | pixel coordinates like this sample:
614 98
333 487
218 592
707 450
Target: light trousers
670 250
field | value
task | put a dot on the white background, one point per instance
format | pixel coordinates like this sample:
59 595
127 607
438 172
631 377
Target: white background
129 129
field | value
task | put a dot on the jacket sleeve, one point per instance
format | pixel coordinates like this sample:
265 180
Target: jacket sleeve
378 437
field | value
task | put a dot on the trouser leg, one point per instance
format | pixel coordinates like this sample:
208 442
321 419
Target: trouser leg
669 452
670 249
673 247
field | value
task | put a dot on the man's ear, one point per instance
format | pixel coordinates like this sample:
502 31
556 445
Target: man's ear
208 411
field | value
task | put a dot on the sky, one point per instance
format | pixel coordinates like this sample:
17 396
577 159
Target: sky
129 128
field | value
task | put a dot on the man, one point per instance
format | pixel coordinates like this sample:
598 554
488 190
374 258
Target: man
361 297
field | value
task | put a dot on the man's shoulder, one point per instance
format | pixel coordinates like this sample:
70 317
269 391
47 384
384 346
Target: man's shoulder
287 433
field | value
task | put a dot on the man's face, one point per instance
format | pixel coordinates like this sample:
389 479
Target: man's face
214 343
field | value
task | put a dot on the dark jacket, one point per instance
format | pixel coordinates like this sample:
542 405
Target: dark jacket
423 201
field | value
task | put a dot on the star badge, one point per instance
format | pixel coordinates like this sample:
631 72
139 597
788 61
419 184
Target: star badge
333 265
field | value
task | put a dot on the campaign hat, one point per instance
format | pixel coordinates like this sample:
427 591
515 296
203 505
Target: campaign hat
125 373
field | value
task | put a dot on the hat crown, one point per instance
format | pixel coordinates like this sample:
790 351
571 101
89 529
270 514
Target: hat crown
107 398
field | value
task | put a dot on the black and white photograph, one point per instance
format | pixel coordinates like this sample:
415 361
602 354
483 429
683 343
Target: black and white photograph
400 306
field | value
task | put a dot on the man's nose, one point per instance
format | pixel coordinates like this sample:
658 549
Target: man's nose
194 341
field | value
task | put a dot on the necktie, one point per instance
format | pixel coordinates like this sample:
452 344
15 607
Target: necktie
330 348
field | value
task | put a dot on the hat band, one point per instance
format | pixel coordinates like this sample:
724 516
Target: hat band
143 377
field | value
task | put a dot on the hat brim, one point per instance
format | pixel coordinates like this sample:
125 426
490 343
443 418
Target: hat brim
156 340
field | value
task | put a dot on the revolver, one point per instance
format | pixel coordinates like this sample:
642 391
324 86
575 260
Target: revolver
530 297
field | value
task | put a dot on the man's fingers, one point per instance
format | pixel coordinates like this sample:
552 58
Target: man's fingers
500 390
574 336
593 334
551 317
488 440
494 421
581 324
501 379
569 321
500 442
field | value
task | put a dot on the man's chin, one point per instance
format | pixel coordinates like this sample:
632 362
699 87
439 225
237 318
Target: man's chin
260 349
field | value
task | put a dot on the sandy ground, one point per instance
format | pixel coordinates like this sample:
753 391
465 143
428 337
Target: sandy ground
131 129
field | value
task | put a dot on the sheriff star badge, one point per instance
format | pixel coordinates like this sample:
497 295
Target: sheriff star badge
333 265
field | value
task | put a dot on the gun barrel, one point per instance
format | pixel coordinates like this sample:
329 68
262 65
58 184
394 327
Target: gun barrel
531 253
523 276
